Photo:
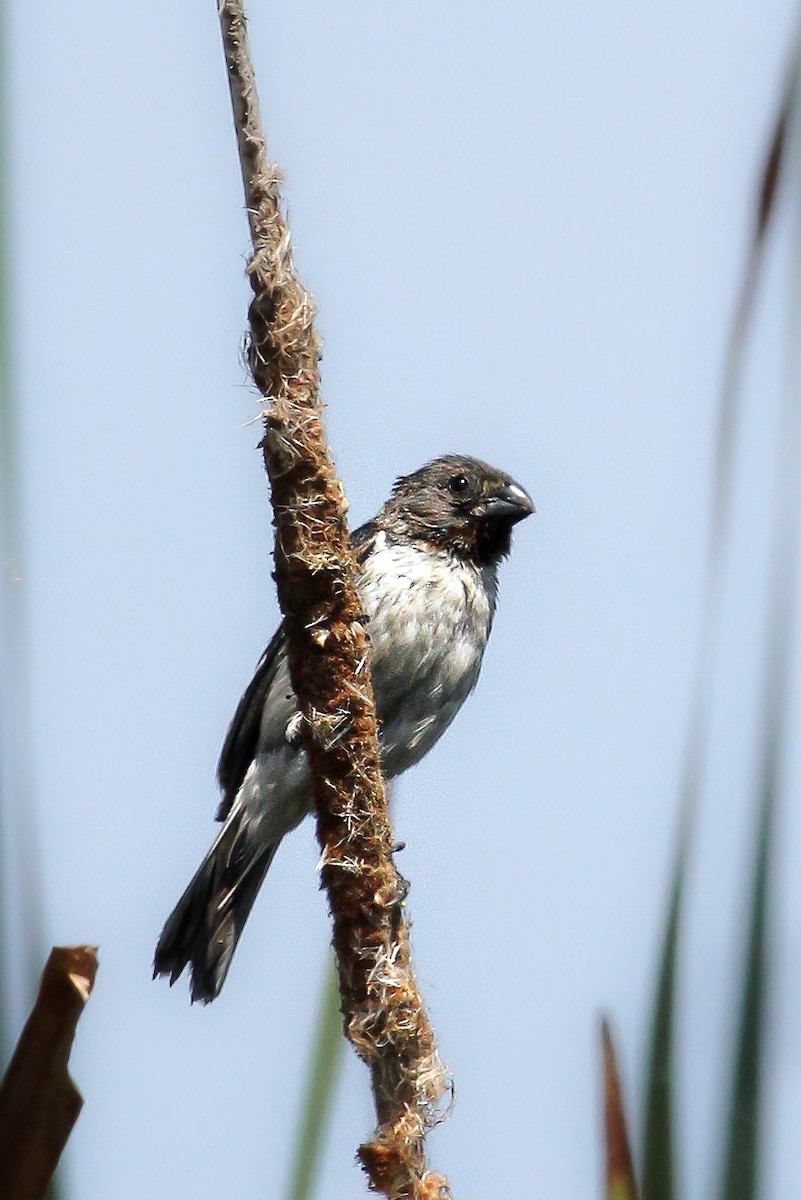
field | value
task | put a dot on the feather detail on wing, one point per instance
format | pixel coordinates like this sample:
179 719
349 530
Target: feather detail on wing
242 739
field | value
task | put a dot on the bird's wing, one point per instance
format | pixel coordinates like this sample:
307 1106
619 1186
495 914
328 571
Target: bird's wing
268 688
242 738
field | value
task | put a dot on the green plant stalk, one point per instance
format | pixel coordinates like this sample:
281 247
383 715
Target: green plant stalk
15 748
658 1170
740 1169
659 1136
15 727
320 1084
9 541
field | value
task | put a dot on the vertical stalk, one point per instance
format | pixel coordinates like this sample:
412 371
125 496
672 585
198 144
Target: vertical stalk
327 645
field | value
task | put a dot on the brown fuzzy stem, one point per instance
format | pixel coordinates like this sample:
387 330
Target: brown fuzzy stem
382 1009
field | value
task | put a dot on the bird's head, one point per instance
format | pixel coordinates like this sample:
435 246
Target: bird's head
459 504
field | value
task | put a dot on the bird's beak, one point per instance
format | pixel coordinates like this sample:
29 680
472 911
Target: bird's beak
510 503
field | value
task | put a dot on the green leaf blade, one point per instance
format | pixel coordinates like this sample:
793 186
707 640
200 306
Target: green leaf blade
320 1086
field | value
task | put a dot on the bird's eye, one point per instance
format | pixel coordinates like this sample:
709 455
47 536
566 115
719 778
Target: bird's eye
458 484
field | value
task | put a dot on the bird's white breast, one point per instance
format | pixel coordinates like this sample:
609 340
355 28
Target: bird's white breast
430 615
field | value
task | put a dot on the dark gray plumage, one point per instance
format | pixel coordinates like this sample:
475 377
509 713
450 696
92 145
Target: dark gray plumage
428 584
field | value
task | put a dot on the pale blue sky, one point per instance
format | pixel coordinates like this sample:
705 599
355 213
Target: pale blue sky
524 225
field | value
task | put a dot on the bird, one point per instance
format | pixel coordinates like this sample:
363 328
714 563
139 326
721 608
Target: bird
428 583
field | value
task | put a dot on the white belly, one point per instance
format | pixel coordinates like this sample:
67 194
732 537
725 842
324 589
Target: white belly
430 617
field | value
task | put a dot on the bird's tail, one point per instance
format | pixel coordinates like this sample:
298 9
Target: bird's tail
204 927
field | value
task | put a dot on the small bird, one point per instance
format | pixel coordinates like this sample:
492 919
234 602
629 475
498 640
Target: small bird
428 583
